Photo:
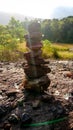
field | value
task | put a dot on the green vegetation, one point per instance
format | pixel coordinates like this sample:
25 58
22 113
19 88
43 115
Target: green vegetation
10 36
57 51
12 42
58 30
50 50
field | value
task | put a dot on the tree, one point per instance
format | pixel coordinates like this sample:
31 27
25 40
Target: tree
67 30
58 30
5 37
55 30
46 29
16 29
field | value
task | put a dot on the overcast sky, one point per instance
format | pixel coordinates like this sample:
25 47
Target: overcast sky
34 8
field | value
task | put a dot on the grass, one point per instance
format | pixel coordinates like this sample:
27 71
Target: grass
49 50
62 47
58 51
66 55
12 52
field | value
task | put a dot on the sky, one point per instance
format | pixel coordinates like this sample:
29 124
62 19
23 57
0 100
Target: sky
33 8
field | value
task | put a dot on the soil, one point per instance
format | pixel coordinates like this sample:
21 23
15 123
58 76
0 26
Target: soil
54 103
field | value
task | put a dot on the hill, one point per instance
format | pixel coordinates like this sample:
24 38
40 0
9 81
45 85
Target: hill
59 13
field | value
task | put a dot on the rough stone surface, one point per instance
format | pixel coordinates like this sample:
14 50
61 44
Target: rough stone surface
33 71
54 106
38 84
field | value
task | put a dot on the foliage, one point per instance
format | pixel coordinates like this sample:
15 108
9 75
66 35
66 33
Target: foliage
57 51
58 30
50 50
66 55
47 48
12 44
16 29
46 43
60 47
12 52
7 41
10 36
55 54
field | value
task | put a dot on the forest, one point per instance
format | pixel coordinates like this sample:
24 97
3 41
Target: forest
54 30
58 30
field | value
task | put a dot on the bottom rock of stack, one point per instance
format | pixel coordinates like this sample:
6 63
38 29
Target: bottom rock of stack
38 84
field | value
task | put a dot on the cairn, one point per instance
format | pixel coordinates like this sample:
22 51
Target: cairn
35 67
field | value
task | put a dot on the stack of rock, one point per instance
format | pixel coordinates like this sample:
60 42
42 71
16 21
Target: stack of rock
35 67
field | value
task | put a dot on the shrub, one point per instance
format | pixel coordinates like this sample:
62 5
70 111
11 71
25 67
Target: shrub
46 43
55 53
47 49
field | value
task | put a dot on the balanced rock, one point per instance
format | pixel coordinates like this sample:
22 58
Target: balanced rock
38 84
35 68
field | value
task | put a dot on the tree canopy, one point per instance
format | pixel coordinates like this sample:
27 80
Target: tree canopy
54 30
58 30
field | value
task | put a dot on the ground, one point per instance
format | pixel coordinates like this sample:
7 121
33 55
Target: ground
55 103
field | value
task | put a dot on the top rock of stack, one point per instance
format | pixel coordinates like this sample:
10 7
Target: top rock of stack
34 27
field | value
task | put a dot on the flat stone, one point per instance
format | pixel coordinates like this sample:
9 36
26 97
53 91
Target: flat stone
36 35
33 53
37 53
7 126
4 89
25 119
39 84
11 92
35 104
0 92
36 46
36 60
47 98
34 27
1 70
13 118
1 97
33 71
69 74
20 102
